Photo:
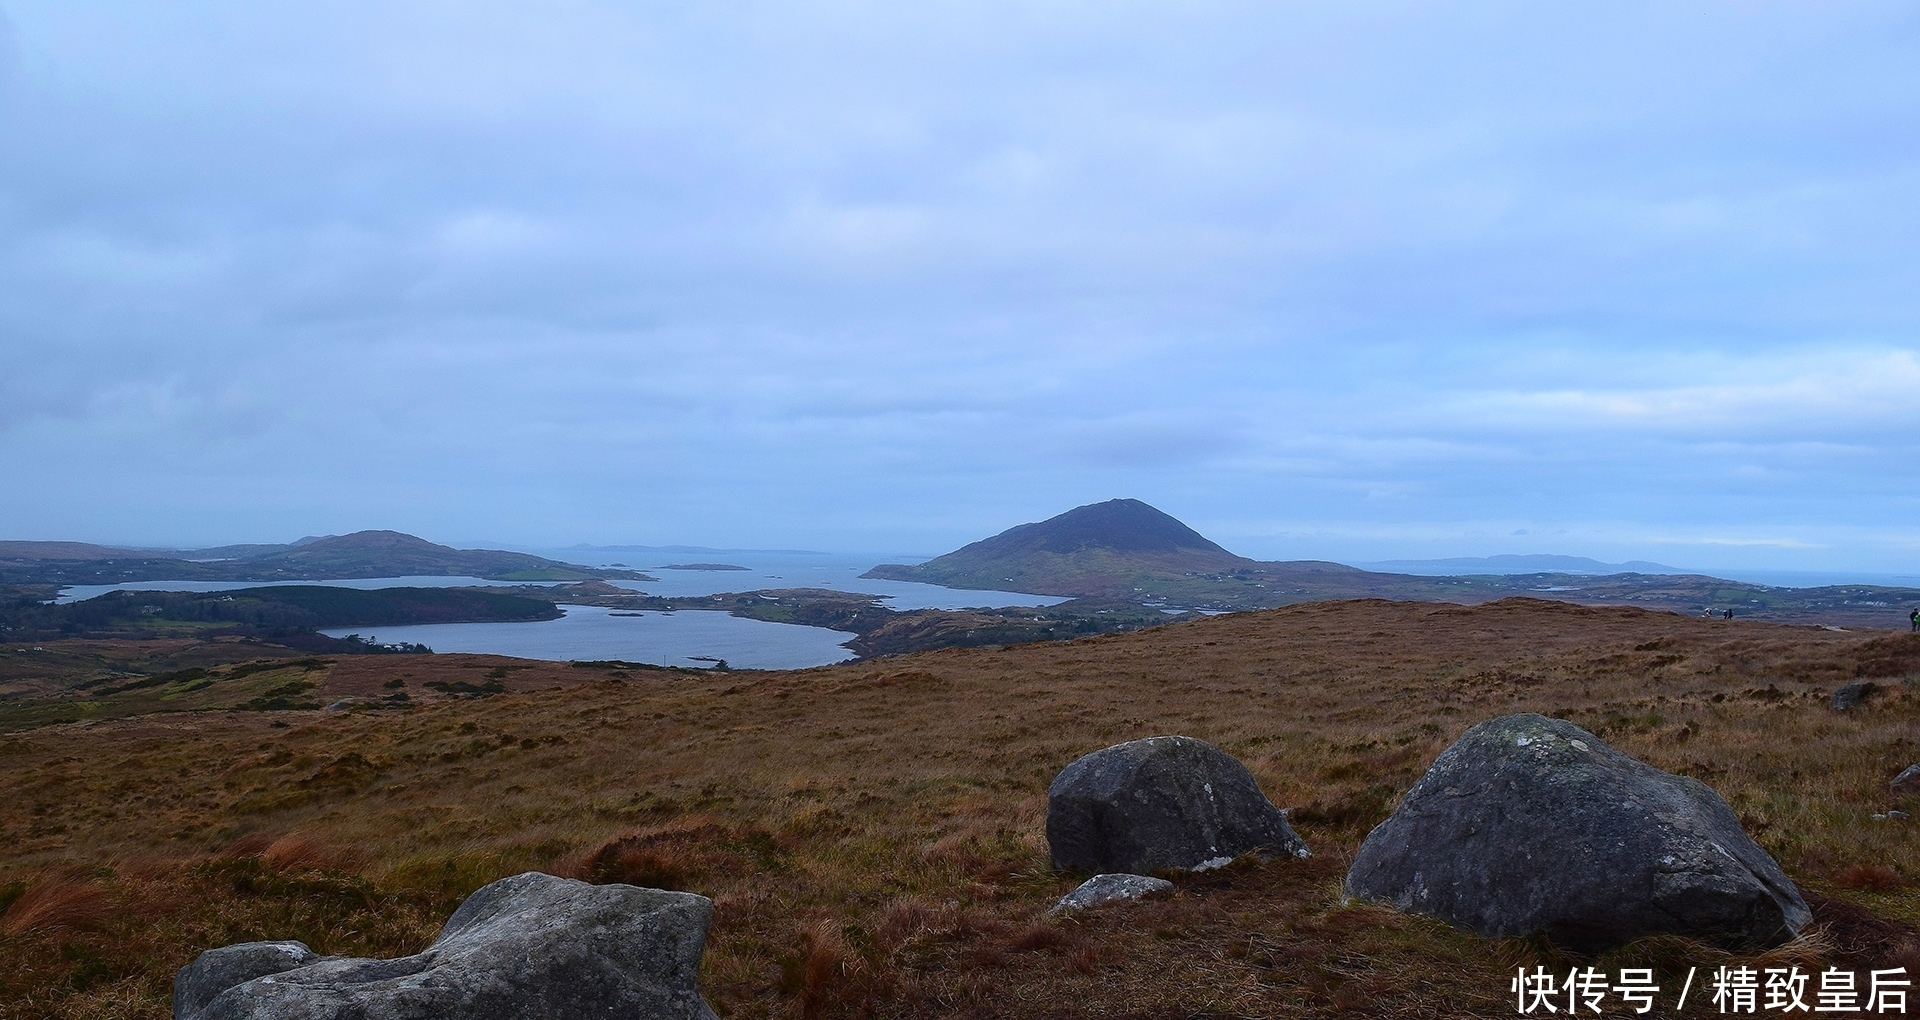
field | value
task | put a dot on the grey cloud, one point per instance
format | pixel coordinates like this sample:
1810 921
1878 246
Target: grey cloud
9 52
662 267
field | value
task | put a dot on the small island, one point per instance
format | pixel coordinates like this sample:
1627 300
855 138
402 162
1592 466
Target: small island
702 566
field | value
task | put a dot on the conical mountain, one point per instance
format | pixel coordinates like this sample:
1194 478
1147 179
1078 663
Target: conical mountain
1103 549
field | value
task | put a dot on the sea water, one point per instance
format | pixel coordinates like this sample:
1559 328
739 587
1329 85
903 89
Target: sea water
82 592
838 572
787 569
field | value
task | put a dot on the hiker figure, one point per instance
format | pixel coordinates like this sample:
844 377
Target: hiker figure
1914 618
1729 614
1707 613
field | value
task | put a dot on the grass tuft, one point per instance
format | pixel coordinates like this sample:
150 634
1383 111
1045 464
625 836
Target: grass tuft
303 851
55 904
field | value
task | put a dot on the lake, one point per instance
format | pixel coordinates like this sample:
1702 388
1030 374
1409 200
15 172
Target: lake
836 571
668 639
774 569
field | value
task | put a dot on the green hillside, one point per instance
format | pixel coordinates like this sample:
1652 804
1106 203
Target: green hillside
361 554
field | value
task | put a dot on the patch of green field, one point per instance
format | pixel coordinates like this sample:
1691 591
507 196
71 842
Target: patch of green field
254 686
546 574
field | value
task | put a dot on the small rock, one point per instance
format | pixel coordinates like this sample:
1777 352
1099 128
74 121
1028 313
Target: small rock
1890 816
528 946
1109 888
1908 781
1159 803
1848 696
1529 825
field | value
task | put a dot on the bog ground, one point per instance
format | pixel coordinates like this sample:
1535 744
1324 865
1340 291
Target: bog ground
872 833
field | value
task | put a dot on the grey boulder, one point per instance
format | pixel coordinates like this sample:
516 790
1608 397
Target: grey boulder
217 970
1110 889
528 946
1908 781
1851 695
1529 825
1161 803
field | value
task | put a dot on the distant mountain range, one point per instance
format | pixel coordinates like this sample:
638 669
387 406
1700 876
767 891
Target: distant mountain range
1508 563
601 550
1122 550
361 554
1126 549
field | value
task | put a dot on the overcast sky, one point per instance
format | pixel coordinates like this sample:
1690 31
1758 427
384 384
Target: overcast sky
1339 280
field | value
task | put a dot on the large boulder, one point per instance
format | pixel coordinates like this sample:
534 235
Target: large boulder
217 970
1529 825
1161 803
528 946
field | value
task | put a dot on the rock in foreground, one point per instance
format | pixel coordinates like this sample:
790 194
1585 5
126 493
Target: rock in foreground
1159 803
528 946
1109 889
1529 825
1908 781
1850 696
217 970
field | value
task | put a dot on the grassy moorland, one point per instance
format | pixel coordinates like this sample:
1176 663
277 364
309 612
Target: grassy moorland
872 833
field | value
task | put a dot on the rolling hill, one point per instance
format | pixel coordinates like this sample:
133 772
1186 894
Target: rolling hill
62 551
1509 563
1125 549
275 611
361 554
401 555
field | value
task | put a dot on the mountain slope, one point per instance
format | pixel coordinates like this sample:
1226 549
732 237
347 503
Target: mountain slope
63 551
1511 563
398 554
1104 549
361 554
1125 549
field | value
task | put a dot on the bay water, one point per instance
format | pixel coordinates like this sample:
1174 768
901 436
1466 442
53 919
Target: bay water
681 638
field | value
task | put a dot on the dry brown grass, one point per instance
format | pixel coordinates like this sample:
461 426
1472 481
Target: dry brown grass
304 851
1869 878
681 854
872 834
56 904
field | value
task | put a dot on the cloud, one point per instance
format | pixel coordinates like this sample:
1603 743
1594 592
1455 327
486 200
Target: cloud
9 52
1830 387
1771 543
766 274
